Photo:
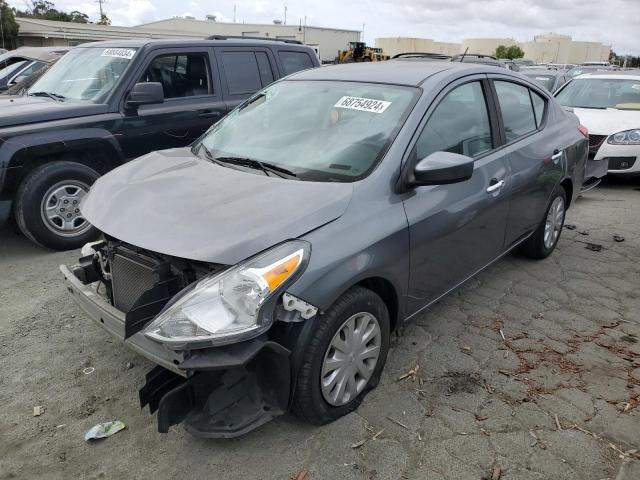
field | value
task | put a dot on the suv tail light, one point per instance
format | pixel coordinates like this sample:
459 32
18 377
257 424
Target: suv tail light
583 130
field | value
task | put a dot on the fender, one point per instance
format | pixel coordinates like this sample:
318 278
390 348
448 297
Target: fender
17 151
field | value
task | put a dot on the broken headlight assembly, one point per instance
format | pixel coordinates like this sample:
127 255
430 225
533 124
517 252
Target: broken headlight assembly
226 307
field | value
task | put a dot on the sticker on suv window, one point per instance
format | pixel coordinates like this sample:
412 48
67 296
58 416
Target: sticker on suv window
127 53
362 104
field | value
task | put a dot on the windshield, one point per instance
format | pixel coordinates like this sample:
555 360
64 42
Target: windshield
85 73
319 131
546 81
601 93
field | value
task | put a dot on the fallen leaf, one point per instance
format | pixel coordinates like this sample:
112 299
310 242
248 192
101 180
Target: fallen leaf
358 444
497 473
301 475
481 418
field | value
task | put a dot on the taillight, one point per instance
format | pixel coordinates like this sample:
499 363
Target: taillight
583 130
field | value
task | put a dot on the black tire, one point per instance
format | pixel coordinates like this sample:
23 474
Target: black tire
308 401
534 246
29 203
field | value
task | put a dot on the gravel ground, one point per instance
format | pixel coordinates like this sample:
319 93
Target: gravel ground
558 398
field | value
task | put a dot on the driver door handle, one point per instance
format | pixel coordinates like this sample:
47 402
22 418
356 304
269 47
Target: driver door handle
495 186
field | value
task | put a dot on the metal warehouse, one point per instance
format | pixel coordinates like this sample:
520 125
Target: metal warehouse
327 41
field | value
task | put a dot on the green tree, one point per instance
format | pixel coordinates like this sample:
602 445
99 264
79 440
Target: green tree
510 52
104 20
46 10
8 27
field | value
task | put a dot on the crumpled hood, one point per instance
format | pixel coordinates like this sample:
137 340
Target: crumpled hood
175 203
606 122
23 110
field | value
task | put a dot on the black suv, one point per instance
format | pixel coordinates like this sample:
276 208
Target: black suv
109 102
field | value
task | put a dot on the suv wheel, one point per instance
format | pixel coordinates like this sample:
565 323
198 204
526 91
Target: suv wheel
47 206
545 238
344 358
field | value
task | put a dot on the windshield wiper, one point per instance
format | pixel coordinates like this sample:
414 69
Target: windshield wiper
257 164
53 96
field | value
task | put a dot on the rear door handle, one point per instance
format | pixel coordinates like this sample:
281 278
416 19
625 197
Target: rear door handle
495 186
557 155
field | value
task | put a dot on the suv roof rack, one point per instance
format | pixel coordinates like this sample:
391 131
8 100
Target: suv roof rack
435 56
238 37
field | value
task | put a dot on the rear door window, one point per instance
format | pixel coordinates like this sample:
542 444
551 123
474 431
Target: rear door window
294 61
241 72
459 124
516 108
264 66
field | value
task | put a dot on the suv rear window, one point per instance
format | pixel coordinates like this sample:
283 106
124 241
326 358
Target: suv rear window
241 71
294 61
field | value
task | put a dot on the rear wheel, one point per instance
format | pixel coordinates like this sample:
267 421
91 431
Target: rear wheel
47 206
545 238
345 357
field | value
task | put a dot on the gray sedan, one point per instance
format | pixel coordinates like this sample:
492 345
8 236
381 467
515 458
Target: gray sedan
264 268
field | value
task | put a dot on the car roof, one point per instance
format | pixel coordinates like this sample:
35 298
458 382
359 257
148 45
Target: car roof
46 54
542 71
410 73
626 75
144 42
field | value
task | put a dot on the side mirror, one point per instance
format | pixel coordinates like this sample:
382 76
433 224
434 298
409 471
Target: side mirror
145 93
440 168
19 79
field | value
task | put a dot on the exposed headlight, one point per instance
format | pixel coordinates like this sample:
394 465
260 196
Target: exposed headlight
225 307
628 137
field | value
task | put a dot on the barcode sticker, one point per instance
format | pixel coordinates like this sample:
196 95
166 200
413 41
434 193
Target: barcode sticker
362 104
127 53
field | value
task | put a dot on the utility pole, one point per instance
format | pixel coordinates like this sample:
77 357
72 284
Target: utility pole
1 26
362 33
100 2
234 13
285 13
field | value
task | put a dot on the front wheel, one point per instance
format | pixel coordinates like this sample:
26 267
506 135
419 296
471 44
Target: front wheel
545 238
345 357
47 206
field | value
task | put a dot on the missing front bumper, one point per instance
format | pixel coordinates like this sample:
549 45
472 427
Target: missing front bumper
232 391
220 392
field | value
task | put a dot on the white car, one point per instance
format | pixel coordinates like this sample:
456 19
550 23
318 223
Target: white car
608 104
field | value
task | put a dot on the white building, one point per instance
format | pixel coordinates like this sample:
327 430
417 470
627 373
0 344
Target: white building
35 32
546 48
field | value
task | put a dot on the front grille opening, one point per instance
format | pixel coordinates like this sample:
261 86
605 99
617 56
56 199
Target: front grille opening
141 282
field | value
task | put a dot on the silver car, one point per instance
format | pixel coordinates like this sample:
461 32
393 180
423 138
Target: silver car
264 268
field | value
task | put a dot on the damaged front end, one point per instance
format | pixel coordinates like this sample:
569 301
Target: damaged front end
222 370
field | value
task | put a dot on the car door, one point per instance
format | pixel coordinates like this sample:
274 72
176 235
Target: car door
534 154
457 229
192 101
244 71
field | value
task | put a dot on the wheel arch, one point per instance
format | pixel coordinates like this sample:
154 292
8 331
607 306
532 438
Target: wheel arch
99 152
567 184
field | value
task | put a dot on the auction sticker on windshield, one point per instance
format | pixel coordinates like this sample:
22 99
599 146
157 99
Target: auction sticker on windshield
362 104
127 53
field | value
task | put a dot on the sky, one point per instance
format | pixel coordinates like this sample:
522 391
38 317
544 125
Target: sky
613 22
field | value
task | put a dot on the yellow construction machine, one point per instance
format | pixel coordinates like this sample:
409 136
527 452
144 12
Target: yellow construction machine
359 52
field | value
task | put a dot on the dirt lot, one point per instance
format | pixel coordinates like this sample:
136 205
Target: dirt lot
556 399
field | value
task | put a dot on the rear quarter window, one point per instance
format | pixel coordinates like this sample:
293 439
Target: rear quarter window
294 61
